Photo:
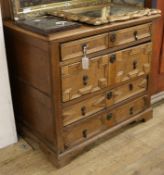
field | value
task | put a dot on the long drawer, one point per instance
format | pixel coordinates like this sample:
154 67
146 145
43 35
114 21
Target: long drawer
83 131
91 127
129 63
128 35
97 103
128 110
77 82
126 91
93 44
105 71
83 109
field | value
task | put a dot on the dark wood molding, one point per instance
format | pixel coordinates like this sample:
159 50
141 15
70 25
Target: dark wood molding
148 3
6 9
158 61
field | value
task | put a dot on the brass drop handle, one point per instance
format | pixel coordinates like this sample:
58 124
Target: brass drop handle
113 37
109 95
131 87
85 80
83 110
136 35
112 58
131 111
109 116
85 133
134 64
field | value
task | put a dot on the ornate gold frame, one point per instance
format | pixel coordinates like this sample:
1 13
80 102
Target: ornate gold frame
75 14
70 10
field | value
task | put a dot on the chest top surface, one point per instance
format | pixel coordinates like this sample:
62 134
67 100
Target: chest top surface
82 31
47 17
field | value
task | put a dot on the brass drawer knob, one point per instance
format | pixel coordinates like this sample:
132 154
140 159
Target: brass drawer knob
131 111
113 37
83 110
109 95
85 133
112 58
85 80
131 87
109 116
136 35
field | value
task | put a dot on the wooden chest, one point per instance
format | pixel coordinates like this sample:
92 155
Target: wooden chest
66 108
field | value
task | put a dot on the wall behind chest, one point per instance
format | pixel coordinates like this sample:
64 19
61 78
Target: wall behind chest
7 123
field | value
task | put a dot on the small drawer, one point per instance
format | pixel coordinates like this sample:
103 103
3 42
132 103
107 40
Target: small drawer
129 110
75 48
83 109
126 91
127 64
128 35
86 129
77 82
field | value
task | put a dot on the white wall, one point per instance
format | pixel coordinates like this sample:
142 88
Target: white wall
7 123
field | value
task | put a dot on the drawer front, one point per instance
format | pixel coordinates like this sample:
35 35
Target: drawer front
129 110
92 105
105 71
129 35
83 109
126 91
86 129
77 82
129 63
75 48
83 131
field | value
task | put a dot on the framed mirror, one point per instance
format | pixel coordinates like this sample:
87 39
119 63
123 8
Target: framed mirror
95 12
24 8
115 11
139 3
31 3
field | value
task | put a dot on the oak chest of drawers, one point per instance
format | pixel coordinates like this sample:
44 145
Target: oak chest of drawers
66 108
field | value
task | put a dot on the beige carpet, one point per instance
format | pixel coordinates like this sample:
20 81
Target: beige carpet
137 150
